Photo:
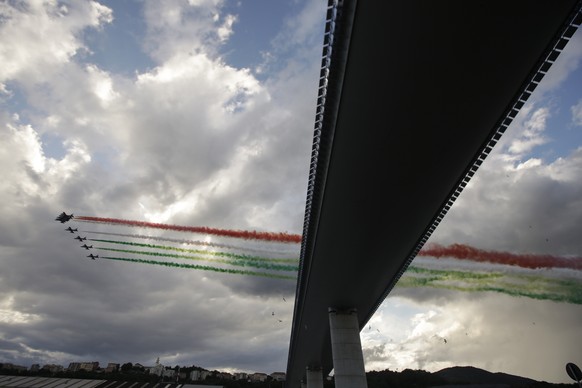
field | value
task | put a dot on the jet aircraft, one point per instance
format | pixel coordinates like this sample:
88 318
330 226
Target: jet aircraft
80 238
86 246
64 217
71 229
92 256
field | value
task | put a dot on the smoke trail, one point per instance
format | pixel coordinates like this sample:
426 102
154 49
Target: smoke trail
248 235
196 242
465 252
535 287
204 252
236 262
202 267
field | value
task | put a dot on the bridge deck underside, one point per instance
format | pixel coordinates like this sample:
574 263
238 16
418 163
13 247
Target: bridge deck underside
426 85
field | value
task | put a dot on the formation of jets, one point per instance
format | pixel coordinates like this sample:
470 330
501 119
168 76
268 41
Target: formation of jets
64 217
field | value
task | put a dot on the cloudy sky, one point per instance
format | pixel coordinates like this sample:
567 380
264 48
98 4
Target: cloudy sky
200 114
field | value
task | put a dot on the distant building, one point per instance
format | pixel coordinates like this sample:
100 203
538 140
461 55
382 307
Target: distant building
258 377
278 376
34 367
195 375
241 376
74 366
157 369
225 376
13 367
53 368
139 366
112 367
199 375
89 366
169 372
86 366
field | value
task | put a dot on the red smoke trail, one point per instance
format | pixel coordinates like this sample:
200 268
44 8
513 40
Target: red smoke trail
465 252
249 235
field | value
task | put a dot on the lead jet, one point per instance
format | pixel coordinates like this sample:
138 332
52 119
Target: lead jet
86 246
71 229
92 256
64 217
80 238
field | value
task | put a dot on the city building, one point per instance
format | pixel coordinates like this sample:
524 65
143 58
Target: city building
112 367
53 368
278 376
260 377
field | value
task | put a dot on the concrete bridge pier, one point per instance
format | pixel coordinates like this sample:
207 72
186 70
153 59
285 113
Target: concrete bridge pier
314 377
346 349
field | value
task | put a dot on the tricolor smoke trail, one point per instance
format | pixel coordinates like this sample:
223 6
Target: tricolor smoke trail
531 286
458 251
197 251
247 235
202 267
235 262
465 252
455 267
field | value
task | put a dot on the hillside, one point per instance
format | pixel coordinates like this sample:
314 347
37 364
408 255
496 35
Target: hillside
454 377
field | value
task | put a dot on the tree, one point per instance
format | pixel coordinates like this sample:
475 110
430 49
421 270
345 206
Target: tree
127 367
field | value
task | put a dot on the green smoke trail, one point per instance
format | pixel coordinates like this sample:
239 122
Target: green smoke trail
205 252
202 267
535 287
236 262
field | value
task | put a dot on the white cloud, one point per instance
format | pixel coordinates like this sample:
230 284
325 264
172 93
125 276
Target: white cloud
176 28
102 85
27 172
531 135
302 35
9 315
577 113
37 37
225 30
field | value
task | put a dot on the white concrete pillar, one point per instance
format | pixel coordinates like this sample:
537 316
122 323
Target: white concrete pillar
346 349
314 378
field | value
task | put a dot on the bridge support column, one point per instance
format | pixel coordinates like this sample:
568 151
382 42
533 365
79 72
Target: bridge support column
314 378
346 349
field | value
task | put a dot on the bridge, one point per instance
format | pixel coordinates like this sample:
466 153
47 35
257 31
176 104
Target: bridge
413 96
